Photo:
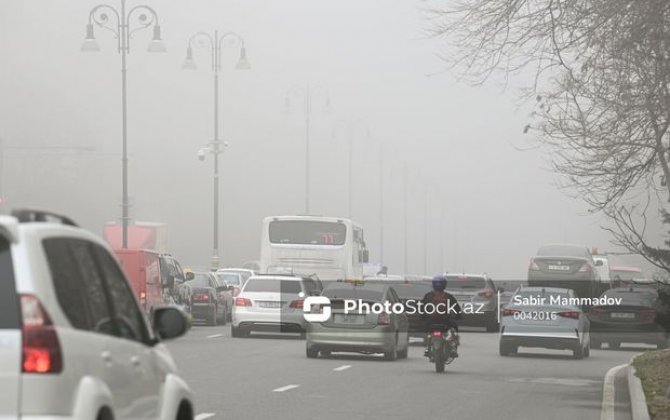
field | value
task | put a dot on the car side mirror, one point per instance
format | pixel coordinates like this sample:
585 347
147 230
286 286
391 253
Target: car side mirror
169 323
189 276
599 263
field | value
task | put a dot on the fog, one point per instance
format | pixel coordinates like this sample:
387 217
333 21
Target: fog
60 123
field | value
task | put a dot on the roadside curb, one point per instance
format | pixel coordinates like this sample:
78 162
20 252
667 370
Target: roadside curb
638 401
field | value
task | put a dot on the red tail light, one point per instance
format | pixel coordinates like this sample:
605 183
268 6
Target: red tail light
586 268
510 312
486 293
296 304
143 299
569 314
532 265
41 348
437 333
384 319
647 314
201 297
242 302
597 312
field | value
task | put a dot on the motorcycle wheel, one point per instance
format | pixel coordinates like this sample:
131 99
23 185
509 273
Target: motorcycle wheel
439 362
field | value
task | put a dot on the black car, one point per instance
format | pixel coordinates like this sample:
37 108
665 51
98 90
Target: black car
639 317
564 266
203 292
409 290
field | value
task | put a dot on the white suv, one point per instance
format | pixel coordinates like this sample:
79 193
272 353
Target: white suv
74 343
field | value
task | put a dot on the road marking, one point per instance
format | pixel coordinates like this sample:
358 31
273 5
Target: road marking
341 368
215 336
607 410
285 388
204 416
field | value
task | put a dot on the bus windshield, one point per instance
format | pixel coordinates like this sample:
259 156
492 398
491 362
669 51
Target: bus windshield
307 232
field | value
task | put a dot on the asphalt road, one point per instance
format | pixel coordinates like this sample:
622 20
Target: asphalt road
269 377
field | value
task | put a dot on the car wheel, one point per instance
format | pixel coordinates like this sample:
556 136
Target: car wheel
212 321
392 354
505 349
303 334
578 352
325 353
493 325
239 332
311 354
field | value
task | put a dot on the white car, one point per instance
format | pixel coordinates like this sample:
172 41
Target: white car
272 303
74 343
542 317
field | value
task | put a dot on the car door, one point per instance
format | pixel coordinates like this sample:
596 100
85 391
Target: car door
82 298
403 322
132 345
10 336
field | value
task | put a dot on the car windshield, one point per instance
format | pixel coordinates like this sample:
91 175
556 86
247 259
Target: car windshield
366 293
272 286
625 275
200 280
466 282
411 290
305 232
562 251
230 279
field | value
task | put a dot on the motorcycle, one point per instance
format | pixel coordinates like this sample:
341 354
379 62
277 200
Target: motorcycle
443 344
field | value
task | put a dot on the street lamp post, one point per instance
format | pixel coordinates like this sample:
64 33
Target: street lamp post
142 17
215 43
309 94
351 132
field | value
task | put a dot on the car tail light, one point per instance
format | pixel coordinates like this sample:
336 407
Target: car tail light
597 312
569 314
242 302
384 319
201 297
647 314
532 265
510 312
143 299
41 347
486 293
296 304
437 333
586 268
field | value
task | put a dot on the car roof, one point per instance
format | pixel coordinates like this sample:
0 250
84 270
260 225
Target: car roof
625 268
275 277
540 289
360 285
464 275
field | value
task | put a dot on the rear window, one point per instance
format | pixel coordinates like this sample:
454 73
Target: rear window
200 280
272 286
229 279
405 291
562 251
625 275
366 294
9 302
466 283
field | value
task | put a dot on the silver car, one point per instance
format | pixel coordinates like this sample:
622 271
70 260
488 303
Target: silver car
385 333
544 318
272 303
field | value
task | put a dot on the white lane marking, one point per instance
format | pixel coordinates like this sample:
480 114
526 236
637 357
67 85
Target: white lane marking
607 410
204 416
341 368
215 336
285 388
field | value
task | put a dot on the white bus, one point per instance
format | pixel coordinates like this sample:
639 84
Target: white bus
330 247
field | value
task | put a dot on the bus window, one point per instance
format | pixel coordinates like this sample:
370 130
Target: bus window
307 232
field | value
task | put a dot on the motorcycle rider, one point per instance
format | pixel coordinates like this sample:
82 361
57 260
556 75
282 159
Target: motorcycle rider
446 317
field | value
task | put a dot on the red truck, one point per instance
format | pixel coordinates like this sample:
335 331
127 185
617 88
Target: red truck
142 267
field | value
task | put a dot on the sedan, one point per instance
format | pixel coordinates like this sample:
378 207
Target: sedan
368 333
636 316
543 317
565 266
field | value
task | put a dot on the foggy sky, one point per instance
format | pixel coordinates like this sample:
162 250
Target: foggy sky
373 56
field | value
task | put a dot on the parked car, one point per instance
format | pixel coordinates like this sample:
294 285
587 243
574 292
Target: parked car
67 313
142 269
532 319
385 333
478 291
564 266
638 318
207 297
272 303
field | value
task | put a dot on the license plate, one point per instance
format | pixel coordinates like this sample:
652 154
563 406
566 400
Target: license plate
349 319
622 315
559 267
271 304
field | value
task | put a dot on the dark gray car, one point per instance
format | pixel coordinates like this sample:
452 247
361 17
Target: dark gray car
564 266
